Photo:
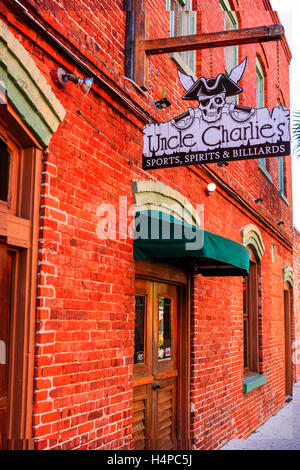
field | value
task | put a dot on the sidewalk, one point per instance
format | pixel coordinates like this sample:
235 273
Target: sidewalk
280 432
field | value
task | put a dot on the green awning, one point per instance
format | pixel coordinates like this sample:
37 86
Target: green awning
159 235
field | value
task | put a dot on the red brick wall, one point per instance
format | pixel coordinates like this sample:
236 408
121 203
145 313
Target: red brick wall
85 314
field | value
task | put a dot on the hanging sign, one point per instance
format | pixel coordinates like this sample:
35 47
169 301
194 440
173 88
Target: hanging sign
216 131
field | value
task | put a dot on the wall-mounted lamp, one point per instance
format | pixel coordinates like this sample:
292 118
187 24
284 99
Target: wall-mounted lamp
211 187
163 103
280 222
221 164
61 77
259 199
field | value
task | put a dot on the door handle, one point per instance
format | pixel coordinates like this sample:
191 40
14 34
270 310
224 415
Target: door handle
157 387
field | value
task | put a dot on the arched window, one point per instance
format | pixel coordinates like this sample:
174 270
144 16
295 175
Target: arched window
250 316
252 239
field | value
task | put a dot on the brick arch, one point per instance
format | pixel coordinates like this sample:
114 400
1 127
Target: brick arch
27 91
151 195
288 275
251 237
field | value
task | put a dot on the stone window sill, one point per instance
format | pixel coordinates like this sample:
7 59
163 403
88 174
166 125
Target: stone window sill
264 171
254 381
181 64
281 194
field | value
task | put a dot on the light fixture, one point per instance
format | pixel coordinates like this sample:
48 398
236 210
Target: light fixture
163 103
211 187
61 77
259 199
221 164
280 222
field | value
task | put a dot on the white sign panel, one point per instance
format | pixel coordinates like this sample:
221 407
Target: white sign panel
216 131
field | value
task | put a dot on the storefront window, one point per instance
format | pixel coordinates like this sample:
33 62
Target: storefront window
250 317
164 338
139 341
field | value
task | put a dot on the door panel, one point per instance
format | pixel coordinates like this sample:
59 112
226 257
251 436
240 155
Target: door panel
139 417
155 366
166 415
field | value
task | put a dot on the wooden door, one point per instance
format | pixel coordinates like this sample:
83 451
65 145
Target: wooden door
156 374
5 287
288 343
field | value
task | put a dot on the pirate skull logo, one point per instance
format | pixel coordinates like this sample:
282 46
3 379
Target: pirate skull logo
211 106
211 92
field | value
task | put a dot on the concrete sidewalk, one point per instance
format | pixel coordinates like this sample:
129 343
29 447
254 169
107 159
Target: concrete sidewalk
280 432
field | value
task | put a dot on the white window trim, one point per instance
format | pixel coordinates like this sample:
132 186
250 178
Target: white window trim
176 56
261 162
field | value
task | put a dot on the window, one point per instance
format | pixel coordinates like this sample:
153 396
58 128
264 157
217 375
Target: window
230 22
260 103
4 170
230 53
250 317
183 23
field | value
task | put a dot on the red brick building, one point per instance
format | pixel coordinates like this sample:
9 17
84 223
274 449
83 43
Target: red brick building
77 375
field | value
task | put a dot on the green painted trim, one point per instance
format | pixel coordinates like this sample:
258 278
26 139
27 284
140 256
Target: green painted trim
253 382
25 111
284 198
263 169
27 90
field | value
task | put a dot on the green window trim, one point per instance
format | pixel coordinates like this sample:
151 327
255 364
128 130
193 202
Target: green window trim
261 163
253 382
285 199
185 61
260 103
281 181
231 53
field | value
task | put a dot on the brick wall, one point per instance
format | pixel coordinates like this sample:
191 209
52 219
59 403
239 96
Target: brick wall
83 377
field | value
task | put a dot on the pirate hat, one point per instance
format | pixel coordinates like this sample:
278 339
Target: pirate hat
213 86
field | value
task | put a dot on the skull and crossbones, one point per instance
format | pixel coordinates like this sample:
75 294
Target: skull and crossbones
211 106
211 92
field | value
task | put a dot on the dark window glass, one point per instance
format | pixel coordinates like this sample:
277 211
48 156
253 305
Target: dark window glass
139 343
246 365
246 322
164 338
4 170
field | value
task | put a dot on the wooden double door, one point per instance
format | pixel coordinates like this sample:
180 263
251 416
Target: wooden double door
157 376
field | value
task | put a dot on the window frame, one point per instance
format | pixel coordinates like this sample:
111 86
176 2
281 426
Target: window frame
250 310
185 61
281 180
260 103
231 17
